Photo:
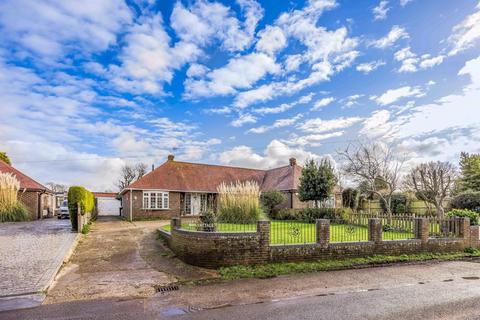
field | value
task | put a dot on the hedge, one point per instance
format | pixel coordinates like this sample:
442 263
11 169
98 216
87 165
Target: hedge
309 215
79 197
467 200
472 215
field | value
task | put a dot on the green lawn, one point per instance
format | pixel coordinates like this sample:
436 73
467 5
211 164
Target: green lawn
293 232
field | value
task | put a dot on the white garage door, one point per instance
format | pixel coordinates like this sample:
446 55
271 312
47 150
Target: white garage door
108 207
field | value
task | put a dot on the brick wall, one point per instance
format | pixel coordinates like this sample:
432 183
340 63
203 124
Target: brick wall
214 249
30 200
140 213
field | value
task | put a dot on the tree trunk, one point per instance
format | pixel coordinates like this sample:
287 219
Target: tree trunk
440 212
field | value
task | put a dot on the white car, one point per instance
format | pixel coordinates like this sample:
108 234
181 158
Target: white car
64 211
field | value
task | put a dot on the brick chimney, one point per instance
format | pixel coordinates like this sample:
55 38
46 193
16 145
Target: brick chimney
293 162
170 157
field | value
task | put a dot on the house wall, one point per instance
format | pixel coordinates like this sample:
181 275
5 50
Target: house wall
139 213
30 200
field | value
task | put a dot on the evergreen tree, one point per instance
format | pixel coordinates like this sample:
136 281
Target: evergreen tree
5 158
470 169
317 181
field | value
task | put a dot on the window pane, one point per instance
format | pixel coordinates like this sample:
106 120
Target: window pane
165 200
145 200
153 200
160 202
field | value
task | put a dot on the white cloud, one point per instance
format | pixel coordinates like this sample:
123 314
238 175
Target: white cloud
293 62
243 119
196 70
322 103
203 22
271 40
313 140
395 34
377 125
222 110
317 125
279 123
411 62
276 154
56 28
147 60
466 33
403 3
239 73
368 67
284 106
393 95
381 10
351 100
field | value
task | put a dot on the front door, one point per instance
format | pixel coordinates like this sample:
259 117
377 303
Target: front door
193 203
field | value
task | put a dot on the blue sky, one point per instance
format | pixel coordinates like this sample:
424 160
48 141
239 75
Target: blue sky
87 87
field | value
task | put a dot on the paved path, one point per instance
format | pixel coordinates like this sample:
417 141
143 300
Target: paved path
449 290
31 254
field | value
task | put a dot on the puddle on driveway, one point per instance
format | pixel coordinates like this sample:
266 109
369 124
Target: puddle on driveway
471 278
170 312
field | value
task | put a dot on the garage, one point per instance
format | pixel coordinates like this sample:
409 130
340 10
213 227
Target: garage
107 204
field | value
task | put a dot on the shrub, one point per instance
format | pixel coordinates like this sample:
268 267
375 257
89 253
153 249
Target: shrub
239 202
79 197
472 215
466 200
270 200
10 208
350 198
207 221
399 203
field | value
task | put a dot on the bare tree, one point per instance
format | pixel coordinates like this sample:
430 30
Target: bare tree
56 187
432 182
131 173
376 167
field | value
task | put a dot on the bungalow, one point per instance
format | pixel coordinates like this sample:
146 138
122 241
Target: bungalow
185 189
37 198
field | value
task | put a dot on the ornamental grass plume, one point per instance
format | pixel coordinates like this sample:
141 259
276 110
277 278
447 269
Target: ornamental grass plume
10 208
239 202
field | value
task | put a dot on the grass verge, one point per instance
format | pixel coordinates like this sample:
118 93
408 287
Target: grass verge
276 269
86 227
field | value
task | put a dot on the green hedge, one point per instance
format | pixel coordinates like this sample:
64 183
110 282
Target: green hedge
466 200
472 215
311 214
79 197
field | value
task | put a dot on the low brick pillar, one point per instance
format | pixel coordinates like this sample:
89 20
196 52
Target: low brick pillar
464 224
175 223
421 229
323 231
475 236
263 228
375 230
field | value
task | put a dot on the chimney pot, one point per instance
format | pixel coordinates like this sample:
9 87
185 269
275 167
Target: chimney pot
293 162
170 157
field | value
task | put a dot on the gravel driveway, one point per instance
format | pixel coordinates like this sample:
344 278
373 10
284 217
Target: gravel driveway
31 253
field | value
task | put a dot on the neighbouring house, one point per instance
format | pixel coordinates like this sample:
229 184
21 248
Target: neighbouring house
107 203
182 189
38 199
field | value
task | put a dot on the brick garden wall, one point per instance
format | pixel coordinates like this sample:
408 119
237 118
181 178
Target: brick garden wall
216 249
30 200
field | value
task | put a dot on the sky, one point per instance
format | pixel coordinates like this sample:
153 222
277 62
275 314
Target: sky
89 86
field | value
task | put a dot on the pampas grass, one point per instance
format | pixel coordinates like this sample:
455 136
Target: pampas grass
239 202
10 208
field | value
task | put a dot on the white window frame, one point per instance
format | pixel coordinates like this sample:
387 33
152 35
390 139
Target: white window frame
162 200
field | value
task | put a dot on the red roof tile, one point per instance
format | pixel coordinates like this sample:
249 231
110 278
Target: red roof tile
185 176
25 181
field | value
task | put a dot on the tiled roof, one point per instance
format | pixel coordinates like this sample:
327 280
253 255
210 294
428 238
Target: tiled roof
185 176
25 181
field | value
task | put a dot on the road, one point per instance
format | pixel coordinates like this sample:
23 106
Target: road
449 290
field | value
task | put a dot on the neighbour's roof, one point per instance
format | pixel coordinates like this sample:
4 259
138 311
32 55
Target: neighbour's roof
105 194
185 176
25 181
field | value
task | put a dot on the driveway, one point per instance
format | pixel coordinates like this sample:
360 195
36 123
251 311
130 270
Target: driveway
31 254
120 259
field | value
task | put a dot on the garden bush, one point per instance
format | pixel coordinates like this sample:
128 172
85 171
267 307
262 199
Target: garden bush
400 203
239 202
207 220
350 198
466 200
10 208
270 200
79 197
472 215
